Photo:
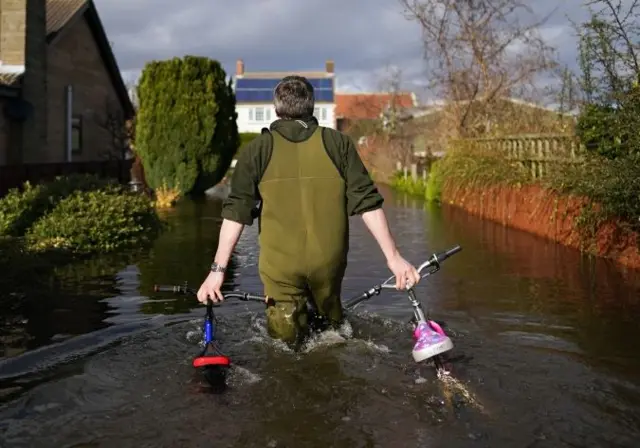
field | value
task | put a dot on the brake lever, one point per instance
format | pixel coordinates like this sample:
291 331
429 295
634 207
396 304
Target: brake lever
435 269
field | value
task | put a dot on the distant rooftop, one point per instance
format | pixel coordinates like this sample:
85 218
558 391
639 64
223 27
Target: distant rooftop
258 87
370 106
242 73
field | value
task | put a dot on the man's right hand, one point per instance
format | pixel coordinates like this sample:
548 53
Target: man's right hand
406 274
210 288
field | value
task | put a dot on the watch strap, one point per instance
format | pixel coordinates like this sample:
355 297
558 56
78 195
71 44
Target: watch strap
215 267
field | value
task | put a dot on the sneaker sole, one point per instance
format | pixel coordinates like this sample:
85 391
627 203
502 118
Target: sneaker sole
432 350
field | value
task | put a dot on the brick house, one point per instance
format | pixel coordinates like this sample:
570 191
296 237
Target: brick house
62 97
352 108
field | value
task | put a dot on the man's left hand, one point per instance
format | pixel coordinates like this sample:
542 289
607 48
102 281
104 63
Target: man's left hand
406 274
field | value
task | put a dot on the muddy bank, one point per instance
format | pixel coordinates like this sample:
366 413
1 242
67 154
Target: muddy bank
549 215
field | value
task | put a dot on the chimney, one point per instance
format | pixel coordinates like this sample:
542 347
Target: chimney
23 46
239 67
330 66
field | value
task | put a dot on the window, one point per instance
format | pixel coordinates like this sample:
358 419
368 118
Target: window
260 114
324 114
76 135
316 113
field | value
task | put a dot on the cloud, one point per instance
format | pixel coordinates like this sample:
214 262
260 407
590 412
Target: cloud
361 36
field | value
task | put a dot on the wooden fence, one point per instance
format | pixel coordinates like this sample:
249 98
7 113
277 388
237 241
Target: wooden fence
13 176
413 171
534 152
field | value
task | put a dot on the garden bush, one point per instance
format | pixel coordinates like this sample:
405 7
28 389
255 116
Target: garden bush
407 184
477 167
435 180
186 131
468 166
612 184
21 207
102 220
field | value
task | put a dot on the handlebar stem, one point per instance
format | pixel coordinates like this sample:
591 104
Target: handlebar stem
417 306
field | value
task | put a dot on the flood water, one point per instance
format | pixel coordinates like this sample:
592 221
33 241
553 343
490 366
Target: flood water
548 342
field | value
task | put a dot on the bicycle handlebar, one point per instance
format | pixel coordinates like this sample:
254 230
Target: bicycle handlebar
240 295
434 261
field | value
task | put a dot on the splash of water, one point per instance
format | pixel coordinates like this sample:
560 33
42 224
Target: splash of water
241 376
452 385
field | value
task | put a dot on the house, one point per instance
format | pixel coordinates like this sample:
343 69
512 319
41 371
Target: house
61 93
352 108
254 96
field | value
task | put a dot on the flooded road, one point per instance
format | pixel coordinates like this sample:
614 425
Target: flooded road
548 340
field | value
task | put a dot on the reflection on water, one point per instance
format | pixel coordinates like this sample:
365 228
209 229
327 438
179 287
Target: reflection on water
547 338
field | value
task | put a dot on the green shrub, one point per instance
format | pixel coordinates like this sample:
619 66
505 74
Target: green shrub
611 131
613 184
186 131
20 208
597 129
96 221
609 120
408 185
467 166
477 167
434 183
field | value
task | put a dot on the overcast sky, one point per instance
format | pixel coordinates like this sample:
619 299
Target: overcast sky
361 36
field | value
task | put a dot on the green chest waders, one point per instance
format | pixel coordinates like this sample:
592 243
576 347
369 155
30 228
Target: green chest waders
303 235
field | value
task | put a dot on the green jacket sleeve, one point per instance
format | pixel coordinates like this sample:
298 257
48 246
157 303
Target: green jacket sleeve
240 204
362 194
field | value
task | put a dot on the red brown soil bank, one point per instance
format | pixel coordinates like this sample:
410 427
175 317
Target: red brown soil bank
542 212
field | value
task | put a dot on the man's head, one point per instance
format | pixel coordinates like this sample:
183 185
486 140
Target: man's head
294 98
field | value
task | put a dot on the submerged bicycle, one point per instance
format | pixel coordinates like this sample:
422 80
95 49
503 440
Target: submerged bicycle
431 341
213 363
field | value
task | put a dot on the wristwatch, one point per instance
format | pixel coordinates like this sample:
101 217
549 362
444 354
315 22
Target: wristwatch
215 267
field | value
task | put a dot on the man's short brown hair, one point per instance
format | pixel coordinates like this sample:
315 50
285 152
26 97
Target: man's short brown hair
294 98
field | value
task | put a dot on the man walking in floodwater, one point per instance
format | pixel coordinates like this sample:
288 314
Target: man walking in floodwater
308 180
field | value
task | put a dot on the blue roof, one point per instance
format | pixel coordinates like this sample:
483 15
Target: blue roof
253 90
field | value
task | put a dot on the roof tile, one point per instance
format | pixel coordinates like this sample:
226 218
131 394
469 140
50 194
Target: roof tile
59 12
369 106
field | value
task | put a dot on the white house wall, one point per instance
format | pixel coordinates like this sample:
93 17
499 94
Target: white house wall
251 120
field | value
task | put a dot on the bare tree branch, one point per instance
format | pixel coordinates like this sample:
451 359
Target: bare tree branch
480 51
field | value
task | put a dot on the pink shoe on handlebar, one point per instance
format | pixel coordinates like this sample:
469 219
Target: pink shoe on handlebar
431 340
